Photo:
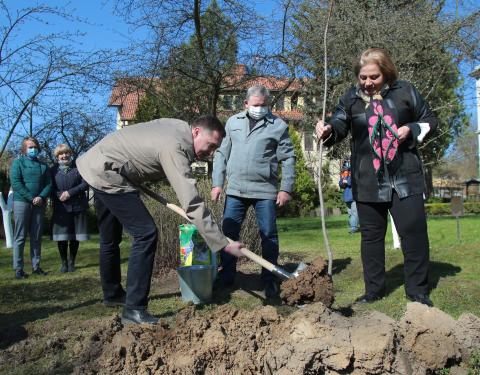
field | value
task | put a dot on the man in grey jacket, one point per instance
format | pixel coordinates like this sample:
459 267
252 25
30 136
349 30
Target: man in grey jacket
255 144
113 168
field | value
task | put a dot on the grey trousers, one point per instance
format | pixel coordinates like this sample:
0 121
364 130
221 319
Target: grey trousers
28 220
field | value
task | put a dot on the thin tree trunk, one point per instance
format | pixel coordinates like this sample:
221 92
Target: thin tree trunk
320 150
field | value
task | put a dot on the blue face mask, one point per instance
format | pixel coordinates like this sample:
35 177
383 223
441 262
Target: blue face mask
32 152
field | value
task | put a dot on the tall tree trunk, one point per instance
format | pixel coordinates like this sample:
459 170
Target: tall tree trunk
320 150
428 181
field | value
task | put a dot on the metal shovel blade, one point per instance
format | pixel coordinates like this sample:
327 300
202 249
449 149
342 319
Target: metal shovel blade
280 272
301 266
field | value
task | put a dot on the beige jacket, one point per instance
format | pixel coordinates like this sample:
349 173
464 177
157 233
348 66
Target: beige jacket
149 152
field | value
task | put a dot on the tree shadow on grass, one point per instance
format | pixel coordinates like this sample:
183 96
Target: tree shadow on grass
340 264
164 295
291 257
438 270
45 289
11 327
250 283
52 296
90 265
292 226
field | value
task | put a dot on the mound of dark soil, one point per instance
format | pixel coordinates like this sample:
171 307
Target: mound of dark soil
313 284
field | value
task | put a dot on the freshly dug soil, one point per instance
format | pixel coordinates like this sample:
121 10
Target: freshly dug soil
223 339
313 340
313 284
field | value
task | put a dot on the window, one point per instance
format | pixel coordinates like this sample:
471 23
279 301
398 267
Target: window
280 104
238 102
294 102
227 102
308 141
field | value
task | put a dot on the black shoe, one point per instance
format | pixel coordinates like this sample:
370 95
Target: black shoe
64 267
352 231
39 271
272 290
114 302
71 266
368 298
131 316
19 274
421 298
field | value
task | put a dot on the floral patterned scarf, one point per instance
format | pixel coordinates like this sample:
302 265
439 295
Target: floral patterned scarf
382 132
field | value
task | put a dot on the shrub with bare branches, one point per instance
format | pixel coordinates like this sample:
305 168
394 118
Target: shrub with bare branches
168 222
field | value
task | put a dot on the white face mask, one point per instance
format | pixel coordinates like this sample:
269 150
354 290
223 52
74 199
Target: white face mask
257 112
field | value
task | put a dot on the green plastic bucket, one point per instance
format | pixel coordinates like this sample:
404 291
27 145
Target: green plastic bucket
196 283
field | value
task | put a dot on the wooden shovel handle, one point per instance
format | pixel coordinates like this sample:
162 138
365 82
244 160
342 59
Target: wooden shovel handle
256 258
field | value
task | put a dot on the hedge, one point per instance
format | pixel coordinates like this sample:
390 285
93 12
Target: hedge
446 209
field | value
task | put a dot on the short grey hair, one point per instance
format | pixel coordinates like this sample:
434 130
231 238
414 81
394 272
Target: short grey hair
258 90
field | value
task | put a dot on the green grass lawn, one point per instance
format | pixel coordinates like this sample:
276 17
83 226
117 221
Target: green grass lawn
57 294
43 305
455 264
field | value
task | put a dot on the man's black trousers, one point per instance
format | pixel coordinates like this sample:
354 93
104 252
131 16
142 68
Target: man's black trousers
127 210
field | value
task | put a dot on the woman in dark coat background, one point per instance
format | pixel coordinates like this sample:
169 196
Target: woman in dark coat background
387 119
69 199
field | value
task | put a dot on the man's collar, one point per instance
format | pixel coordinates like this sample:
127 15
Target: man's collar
190 151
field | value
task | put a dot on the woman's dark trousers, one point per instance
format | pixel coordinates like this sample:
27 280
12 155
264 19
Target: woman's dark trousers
409 218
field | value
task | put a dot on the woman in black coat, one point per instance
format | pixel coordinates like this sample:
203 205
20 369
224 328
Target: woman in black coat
387 118
69 219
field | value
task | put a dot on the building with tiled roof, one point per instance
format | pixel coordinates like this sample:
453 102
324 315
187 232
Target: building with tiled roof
126 95
128 92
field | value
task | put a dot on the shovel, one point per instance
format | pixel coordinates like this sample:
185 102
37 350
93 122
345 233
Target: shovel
280 272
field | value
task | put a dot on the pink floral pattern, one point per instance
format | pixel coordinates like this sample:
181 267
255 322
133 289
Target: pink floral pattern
382 132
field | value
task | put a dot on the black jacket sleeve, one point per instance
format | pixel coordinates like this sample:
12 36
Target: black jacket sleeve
340 121
421 114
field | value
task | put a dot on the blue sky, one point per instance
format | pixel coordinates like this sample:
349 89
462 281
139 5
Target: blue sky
95 19
103 29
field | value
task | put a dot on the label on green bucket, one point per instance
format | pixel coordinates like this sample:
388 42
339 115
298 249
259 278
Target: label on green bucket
193 248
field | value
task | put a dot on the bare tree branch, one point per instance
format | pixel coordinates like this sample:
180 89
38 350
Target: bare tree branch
320 150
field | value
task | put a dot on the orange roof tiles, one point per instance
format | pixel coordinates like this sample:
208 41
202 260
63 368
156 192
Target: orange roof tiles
127 92
294 114
126 99
271 83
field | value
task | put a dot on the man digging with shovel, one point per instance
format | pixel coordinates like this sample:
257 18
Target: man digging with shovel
114 167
